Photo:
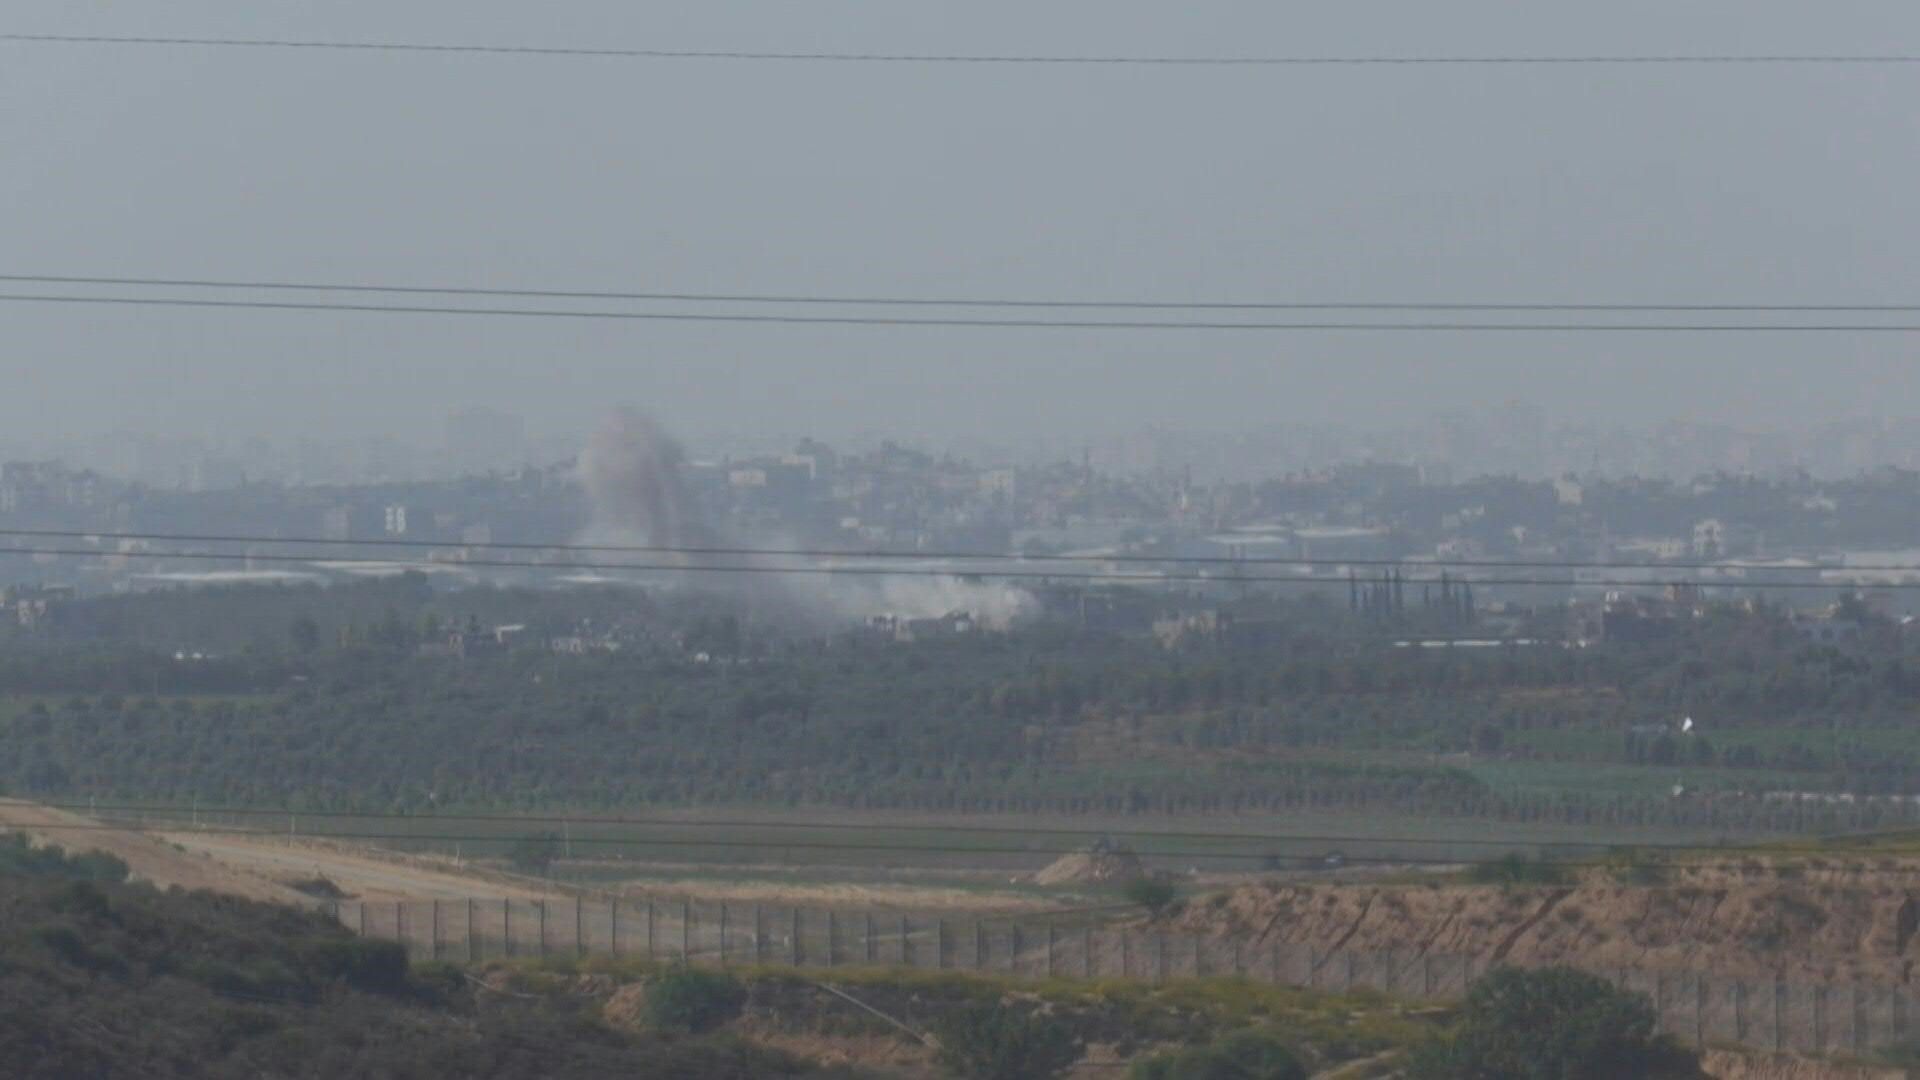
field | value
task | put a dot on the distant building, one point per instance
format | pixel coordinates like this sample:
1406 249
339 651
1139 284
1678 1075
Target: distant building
396 520
336 523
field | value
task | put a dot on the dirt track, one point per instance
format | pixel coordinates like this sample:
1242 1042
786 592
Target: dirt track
149 857
362 875
258 868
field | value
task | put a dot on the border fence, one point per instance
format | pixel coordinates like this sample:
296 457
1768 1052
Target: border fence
1701 1009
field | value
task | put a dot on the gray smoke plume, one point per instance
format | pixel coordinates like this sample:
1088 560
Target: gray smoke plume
631 471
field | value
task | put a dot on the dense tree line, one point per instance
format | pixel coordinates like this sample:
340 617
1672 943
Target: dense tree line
341 709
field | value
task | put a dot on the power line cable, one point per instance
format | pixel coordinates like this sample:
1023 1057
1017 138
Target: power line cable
908 301
323 561
1002 323
1675 59
982 556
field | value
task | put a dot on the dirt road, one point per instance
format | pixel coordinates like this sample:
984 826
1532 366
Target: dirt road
361 875
149 857
258 868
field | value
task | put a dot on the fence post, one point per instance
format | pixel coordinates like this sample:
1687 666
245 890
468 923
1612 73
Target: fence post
979 946
1013 954
942 957
906 945
794 943
433 944
1699 1013
1426 975
472 950
833 936
686 932
506 925
1160 946
867 940
1239 959
1126 956
759 935
400 923
1779 1015
1086 954
1199 958
723 937
1347 979
361 911
613 926
1820 1019
1740 1011
1050 938
1660 1003
1313 968
543 929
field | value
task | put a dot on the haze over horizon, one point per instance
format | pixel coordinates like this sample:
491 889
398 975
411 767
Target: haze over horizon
1577 184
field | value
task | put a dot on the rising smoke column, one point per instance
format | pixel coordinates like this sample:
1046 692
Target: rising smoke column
631 471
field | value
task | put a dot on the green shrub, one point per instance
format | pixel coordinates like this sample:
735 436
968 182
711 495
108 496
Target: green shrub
1518 869
1552 1023
375 966
1005 1042
691 1000
534 854
19 856
1152 893
1242 1055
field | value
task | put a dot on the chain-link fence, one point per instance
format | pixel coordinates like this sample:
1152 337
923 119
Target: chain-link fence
1700 1009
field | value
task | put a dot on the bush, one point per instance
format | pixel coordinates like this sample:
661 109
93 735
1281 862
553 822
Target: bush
1151 893
375 966
1243 1055
695 1001
534 854
1552 1024
1005 1042
19 856
1517 869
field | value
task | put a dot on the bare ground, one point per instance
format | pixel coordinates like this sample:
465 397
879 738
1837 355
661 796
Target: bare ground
260 867
1812 925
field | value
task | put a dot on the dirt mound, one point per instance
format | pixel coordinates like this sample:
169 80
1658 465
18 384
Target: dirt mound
1102 864
1818 926
626 1007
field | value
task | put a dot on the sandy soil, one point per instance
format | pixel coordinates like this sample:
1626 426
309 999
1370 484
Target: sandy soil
261 868
151 858
1813 925
361 873
884 896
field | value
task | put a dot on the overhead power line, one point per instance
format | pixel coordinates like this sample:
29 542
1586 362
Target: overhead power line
1016 323
933 302
1596 59
942 555
324 561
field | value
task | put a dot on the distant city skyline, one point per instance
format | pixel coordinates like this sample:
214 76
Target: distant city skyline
1511 437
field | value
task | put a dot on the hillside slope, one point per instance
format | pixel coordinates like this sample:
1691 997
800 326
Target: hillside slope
1816 924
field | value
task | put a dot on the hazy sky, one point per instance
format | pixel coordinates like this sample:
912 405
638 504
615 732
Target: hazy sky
1592 184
